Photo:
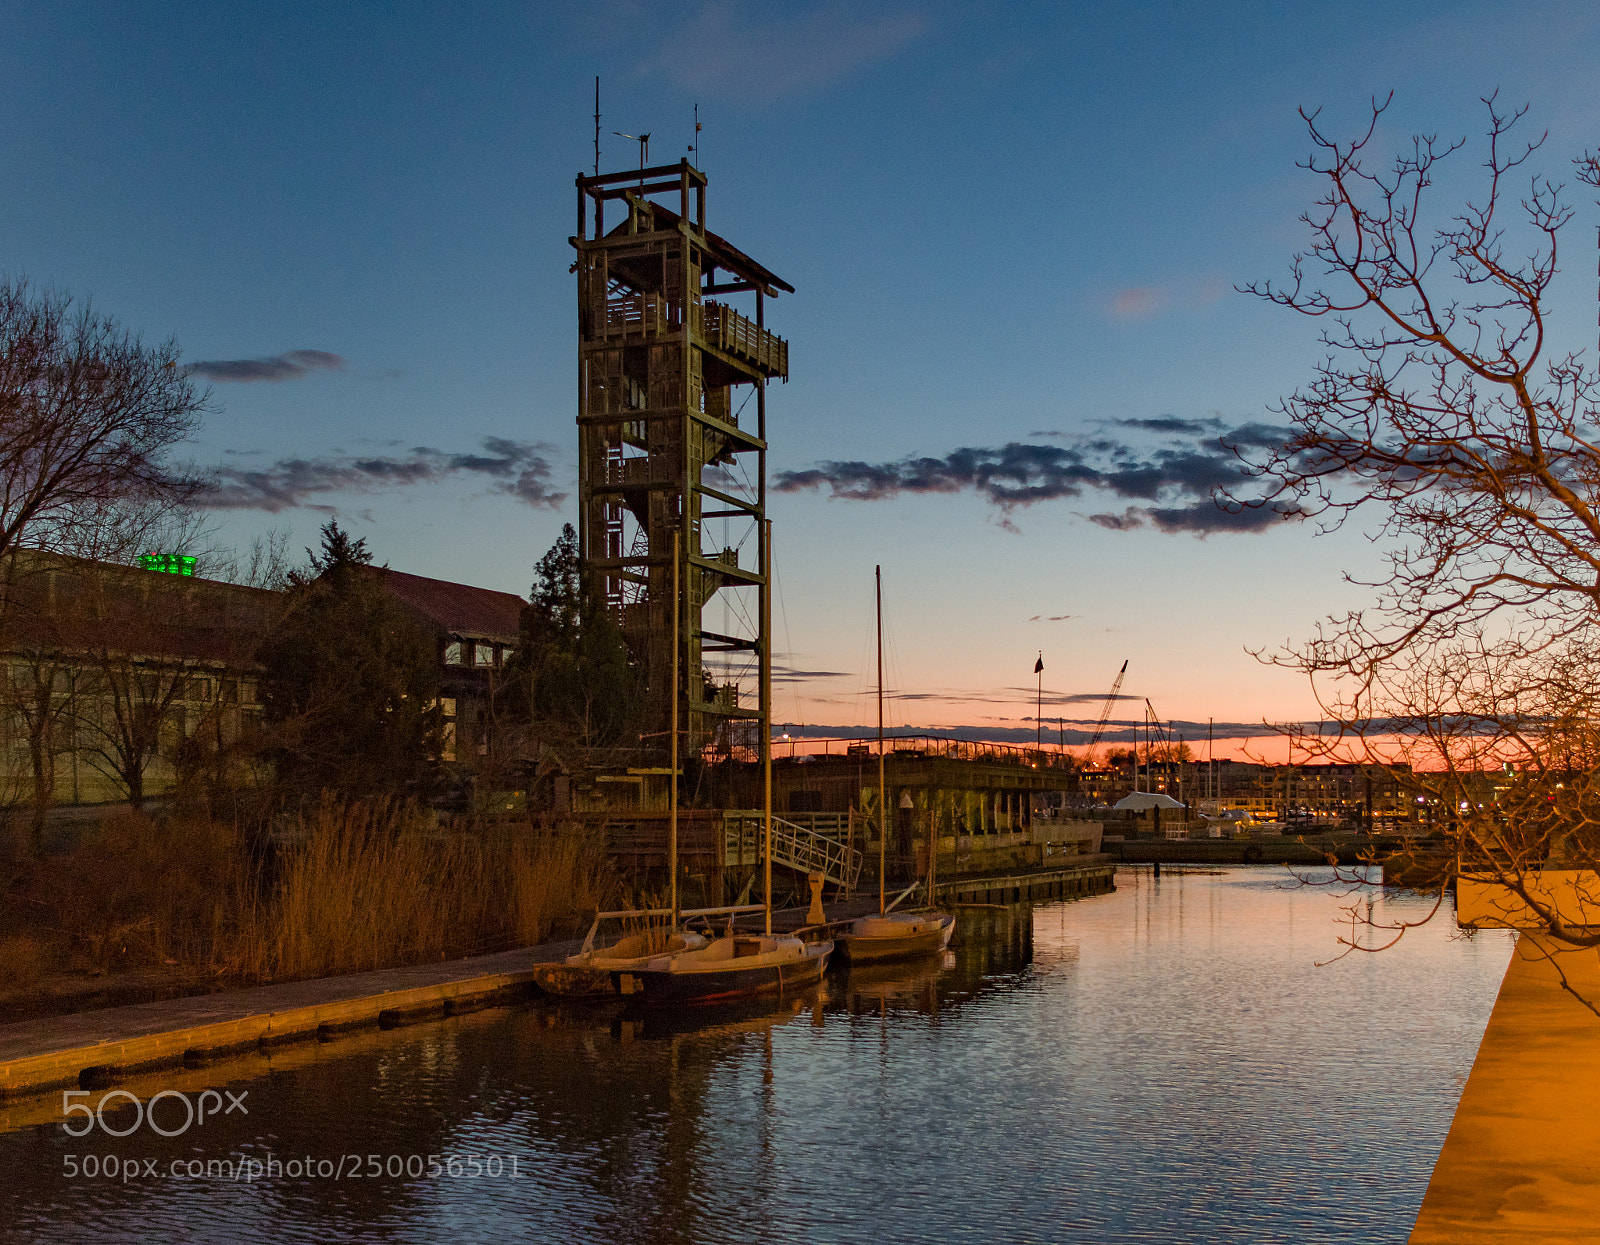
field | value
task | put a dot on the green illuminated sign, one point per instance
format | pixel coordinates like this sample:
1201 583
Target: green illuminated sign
167 563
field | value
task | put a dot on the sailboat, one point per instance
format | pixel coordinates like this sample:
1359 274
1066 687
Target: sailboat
593 973
737 964
892 935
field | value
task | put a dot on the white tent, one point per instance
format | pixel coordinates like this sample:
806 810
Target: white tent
1141 800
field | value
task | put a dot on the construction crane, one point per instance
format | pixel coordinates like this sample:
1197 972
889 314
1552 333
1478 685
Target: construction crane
1105 716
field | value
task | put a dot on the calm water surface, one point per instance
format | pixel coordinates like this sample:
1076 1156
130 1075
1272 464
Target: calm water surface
1165 1063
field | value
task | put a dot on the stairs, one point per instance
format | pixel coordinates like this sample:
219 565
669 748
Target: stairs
794 847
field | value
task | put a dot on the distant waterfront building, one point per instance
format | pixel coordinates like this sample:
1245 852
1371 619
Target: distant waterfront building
111 671
475 631
116 676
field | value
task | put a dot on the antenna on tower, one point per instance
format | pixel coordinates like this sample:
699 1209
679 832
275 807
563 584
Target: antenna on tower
597 125
694 147
644 146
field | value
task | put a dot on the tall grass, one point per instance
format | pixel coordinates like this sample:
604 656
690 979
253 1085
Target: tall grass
348 887
135 892
375 885
553 882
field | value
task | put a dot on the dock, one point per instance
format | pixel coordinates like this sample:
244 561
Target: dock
89 1048
1521 1163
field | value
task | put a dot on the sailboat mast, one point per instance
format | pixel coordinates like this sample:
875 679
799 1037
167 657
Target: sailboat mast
883 794
766 713
672 816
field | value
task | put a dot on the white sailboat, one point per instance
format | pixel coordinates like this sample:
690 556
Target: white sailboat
738 964
893 935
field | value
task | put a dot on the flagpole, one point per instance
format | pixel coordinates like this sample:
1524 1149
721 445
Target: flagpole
1038 707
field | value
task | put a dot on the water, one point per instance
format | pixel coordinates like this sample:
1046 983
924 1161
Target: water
1166 1063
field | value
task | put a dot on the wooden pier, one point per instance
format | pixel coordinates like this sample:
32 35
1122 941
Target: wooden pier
91 1047
1075 876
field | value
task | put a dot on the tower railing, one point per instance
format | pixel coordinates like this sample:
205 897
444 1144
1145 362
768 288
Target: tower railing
726 329
640 315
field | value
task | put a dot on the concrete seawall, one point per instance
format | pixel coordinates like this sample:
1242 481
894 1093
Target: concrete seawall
1521 1163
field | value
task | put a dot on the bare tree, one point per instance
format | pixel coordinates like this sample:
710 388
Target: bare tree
156 657
1442 408
89 415
89 418
266 564
37 696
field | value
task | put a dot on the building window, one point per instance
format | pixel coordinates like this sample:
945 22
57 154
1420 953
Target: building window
483 654
453 654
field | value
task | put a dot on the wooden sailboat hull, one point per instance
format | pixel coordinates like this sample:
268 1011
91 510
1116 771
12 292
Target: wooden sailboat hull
599 974
570 981
883 948
666 988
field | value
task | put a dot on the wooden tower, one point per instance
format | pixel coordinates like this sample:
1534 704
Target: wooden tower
672 427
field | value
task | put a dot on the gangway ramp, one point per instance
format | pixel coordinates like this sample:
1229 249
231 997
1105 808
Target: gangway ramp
817 848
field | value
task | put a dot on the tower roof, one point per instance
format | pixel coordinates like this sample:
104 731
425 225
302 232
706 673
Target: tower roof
720 249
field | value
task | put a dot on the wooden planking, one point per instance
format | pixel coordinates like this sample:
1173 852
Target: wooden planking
56 1051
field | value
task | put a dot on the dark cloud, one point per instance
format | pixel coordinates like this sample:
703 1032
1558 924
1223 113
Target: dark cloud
1178 481
290 366
1172 423
1200 519
788 674
1256 436
514 468
1012 475
1051 617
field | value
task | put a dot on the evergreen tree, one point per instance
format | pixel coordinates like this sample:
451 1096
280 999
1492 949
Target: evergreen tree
573 666
350 681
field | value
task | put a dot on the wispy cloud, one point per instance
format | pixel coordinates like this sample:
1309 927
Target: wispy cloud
767 53
514 468
1174 424
273 368
1200 519
789 674
1179 482
1052 617
1140 302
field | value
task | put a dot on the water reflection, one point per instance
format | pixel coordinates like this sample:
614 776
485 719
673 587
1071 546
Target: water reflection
1162 1063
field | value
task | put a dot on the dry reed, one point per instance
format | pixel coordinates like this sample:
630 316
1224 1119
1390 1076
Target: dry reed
353 886
375 886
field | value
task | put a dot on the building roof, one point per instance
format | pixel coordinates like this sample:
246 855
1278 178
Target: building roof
460 609
67 604
1139 801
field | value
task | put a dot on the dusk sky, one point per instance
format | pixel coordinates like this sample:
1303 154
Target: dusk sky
1014 232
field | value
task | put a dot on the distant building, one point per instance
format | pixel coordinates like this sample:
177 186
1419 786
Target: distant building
112 676
476 631
110 671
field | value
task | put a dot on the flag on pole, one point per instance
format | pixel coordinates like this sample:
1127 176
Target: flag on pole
1038 666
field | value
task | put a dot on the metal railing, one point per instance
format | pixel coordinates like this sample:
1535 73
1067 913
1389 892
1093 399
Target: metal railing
795 847
918 747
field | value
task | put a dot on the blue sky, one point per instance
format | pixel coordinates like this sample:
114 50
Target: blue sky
1007 224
